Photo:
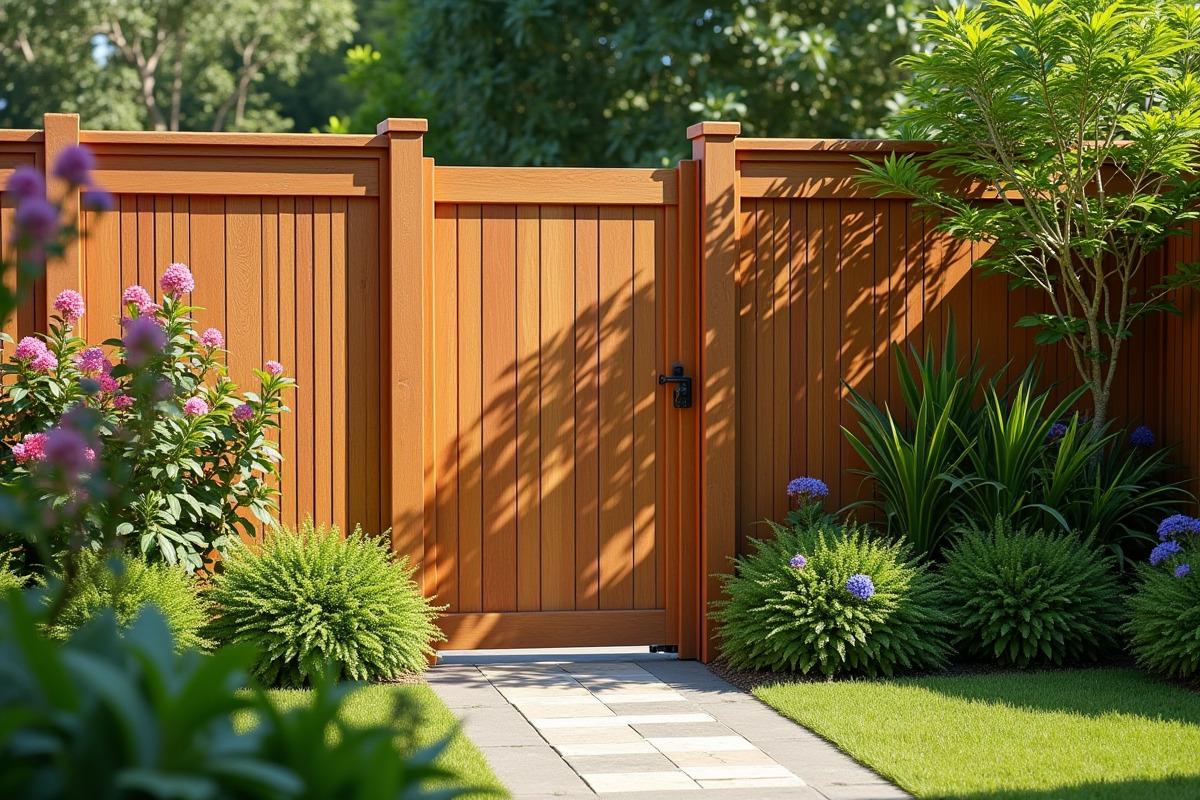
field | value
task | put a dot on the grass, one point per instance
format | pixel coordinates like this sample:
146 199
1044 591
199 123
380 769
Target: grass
371 705
1098 734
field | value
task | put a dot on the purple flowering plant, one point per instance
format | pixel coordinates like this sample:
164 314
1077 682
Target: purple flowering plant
197 454
1179 540
809 496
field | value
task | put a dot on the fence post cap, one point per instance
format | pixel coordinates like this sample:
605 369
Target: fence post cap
714 129
402 125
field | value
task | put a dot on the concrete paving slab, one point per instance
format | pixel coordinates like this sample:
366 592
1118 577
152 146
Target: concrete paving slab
620 762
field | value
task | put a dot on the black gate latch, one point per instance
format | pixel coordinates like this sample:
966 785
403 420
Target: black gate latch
682 396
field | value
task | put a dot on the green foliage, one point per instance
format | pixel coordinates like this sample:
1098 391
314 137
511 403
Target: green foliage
186 478
1164 624
125 586
9 579
309 597
112 715
915 467
782 618
577 83
1084 117
163 64
1023 598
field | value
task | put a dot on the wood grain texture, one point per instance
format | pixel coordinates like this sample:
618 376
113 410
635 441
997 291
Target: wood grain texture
552 185
552 629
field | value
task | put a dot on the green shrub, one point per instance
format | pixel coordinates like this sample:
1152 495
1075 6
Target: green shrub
9 579
307 597
127 590
1164 625
1022 598
111 714
804 617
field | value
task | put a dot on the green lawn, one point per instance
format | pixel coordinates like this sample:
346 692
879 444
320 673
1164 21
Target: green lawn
371 705
1096 734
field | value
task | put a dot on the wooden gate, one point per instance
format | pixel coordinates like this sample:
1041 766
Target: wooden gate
563 487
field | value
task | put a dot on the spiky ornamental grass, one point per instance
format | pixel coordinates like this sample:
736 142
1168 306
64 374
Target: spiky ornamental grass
127 584
1022 598
308 597
783 618
1164 625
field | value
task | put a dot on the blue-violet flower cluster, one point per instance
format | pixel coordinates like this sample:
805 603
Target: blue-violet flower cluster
861 586
1164 551
1177 525
805 489
1056 432
1182 570
798 561
1142 436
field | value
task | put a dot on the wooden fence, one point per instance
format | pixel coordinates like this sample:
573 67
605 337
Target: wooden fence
477 349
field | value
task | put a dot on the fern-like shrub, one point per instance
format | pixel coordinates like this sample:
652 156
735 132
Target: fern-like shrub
1023 598
307 597
1164 625
9 579
128 587
832 599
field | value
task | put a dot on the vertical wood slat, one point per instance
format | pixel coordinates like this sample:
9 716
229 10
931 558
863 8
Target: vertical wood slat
470 410
558 408
66 272
644 363
587 407
528 409
446 388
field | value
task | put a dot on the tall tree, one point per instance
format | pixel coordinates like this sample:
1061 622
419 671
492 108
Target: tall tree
617 82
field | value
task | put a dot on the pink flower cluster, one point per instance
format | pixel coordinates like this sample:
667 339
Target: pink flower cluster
140 299
177 280
243 412
212 339
92 361
31 448
69 303
274 368
34 351
195 407
122 401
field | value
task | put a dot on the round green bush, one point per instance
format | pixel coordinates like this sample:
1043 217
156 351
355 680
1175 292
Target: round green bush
126 584
1164 624
851 603
304 598
1022 598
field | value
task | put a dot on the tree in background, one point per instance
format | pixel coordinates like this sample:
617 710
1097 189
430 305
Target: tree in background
162 64
571 82
1083 116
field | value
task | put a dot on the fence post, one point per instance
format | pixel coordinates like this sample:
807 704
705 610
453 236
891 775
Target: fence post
403 233
714 147
61 132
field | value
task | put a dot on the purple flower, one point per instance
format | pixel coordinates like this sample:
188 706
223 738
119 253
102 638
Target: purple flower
69 303
177 280
1142 436
798 561
804 489
1177 525
1182 570
98 200
860 586
195 406
1164 551
26 183
212 339
1057 431
44 362
274 368
91 360
74 165
243 412
68 450
37 219
122 401
29 348
108 385
143 338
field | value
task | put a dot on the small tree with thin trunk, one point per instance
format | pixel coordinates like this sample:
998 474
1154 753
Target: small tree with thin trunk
1080 119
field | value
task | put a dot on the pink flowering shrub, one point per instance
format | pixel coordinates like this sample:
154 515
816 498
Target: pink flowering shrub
155 407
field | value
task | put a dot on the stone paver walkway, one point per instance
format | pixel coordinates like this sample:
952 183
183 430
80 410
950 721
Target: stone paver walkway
581 728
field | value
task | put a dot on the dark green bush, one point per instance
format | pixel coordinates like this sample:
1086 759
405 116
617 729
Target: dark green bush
1164 625
1022 598
134 585
309 597
781 617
